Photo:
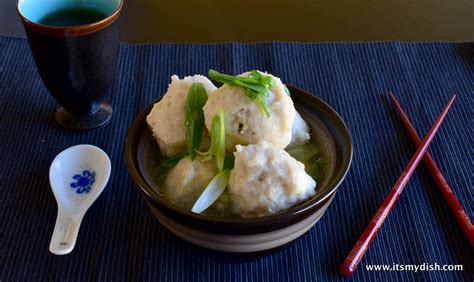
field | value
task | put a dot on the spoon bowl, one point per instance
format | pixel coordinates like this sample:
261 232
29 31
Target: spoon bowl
77 176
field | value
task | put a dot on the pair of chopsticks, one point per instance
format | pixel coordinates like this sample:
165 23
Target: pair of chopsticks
358 251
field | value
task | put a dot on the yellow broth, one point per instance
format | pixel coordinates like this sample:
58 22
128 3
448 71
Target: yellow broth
316 155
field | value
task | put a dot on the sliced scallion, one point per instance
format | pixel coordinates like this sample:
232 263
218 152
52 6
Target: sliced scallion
212 192
194 123
257 85
217 148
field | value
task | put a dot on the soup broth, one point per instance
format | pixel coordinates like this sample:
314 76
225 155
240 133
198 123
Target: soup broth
317 156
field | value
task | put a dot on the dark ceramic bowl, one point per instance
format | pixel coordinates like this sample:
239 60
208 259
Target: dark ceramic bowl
246 235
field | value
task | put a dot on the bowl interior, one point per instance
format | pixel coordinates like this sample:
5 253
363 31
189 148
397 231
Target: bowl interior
327 130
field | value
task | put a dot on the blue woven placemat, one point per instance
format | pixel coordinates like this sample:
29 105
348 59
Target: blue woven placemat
120 239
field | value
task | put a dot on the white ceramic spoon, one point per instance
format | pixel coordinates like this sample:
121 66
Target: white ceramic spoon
77 176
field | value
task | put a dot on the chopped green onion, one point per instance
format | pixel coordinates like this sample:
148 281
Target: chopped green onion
224 164
229 162
256 85
217 148
268 81
212 192
251 93
263 105
219 139
196 99
229 79
260 89
255 75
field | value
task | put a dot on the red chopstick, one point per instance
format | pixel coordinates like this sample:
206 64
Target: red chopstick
358 251
456 208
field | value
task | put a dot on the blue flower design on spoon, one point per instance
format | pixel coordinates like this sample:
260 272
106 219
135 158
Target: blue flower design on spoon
84 181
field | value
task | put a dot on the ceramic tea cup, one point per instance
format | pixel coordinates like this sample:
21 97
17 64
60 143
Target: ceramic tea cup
75 47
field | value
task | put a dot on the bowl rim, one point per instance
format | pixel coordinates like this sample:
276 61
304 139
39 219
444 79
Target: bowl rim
139 124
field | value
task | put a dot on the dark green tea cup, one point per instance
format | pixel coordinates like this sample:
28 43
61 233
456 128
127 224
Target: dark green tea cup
75 48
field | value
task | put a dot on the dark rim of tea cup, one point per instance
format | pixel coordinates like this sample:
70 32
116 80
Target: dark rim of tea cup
76 30
243 225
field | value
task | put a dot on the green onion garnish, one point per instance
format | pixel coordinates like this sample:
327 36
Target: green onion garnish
229 162
212 192
217 148
224 164
257 86
197 97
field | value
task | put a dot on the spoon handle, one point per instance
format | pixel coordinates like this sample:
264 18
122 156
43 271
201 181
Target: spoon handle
65 232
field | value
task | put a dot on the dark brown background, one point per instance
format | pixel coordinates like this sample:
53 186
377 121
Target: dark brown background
297 20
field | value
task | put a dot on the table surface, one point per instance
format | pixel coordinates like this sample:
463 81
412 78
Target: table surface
120 240
282 20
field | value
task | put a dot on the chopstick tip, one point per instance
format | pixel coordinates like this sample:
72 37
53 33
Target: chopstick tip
451 100
346 270
391 96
